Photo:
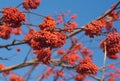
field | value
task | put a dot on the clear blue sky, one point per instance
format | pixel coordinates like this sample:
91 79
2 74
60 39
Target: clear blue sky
86 10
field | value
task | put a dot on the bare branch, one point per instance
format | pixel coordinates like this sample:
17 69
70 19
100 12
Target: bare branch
15 43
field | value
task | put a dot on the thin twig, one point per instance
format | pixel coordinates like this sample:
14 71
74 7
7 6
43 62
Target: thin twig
34 13
29 24
27 55
75 32
15 43
30 71
100 69
18 5
104 61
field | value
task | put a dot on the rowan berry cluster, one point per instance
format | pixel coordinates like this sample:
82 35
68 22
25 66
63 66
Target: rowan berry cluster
13 17
86 67
48 39
94 28
11 22
31 4
49 24
45 38
112 44
43 55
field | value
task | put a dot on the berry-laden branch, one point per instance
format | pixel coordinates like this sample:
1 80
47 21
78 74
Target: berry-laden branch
47 38
101 17
68 35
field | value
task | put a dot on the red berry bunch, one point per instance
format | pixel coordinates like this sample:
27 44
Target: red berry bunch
43 55
48 24
112 43
13 17
86 67
94 28
48 39
31 4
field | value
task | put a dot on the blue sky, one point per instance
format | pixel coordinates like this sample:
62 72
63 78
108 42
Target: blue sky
86 10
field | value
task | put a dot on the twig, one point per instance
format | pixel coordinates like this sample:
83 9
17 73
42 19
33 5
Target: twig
15 43
29 24
104 61
30 71
18 5
27 55
75 32
34 13
100 69
40 78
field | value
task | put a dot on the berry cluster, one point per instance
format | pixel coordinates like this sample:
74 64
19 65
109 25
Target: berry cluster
31 4
49 24
13 17
94 28
86 67
11 22
112 43
46 38
44 55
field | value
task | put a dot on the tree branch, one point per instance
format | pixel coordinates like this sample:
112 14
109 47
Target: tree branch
35 61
